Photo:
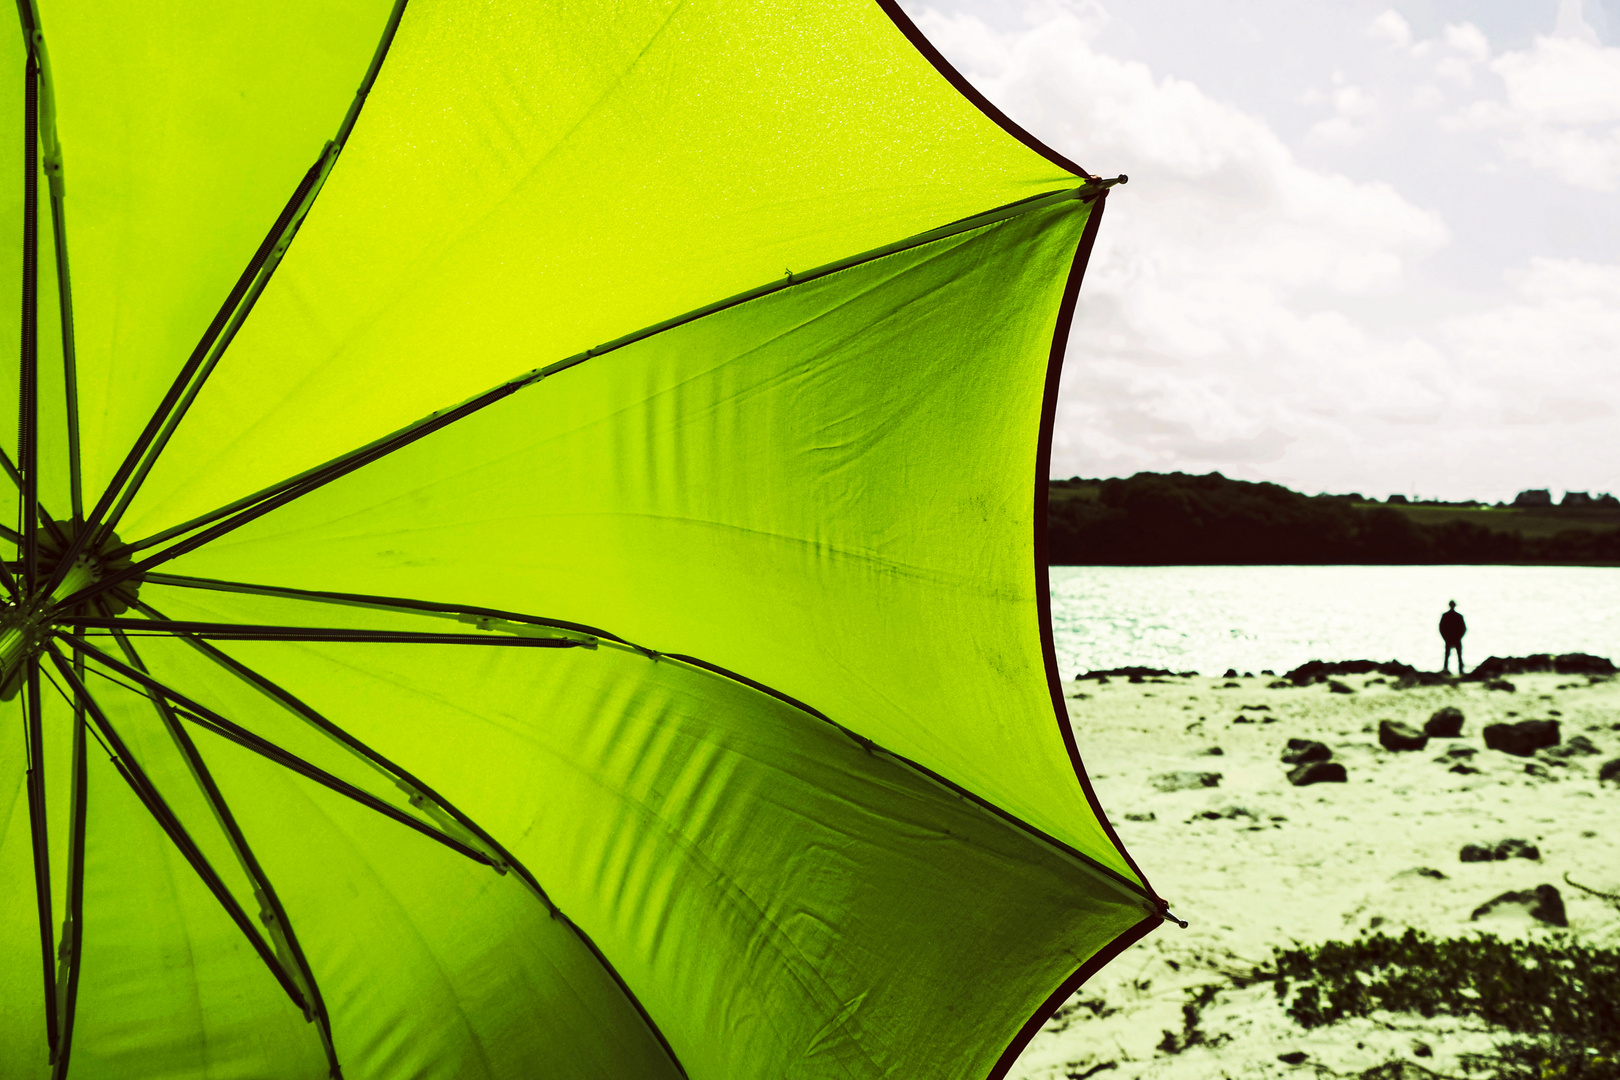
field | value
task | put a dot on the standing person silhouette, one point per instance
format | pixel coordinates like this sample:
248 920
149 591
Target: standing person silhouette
1452 629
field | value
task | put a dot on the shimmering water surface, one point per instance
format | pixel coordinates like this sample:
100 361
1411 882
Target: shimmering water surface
1210 618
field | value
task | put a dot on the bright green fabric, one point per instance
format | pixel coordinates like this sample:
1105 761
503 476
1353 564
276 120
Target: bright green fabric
712 840
826 490
186 126
528 181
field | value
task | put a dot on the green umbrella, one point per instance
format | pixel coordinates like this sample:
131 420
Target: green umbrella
533 568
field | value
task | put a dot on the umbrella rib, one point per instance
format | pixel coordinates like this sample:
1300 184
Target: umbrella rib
130 769
213 722
70 368
27 405
39 837
68 952
211 631
239 512
425 798
239 303
70 364
45 134
483 617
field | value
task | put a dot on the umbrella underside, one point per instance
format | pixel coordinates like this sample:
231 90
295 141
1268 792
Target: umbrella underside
549 586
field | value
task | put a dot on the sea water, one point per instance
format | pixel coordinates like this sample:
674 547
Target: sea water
1212 618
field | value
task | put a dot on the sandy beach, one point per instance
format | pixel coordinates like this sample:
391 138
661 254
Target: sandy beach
1255 862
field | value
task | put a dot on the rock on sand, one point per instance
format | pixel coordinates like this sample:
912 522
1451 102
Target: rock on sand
1523 738
1446 723
1394 735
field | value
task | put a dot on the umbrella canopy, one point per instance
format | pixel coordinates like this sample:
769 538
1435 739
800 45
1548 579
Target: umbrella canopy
532 567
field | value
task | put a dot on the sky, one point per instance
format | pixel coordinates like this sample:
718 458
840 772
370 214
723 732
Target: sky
1365 246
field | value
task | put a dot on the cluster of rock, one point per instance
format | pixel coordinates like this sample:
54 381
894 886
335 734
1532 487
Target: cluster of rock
1491 672
1312 763
1134 674
1316 671
1500 851
1446 723
1542 902
1565 664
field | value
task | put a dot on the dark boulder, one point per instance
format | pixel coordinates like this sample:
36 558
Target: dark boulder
1317 772
1517 849
1502 685
1609 770
1338 687
1464 770
1394 735
1543 903
1523 738
1301 751
1499 852
1445 724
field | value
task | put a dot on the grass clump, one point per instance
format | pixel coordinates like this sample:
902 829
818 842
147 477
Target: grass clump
1561 999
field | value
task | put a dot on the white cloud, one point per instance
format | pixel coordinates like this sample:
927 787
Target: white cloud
1196 341
1549 355
1572 22
1560 111
1251 311
1455 69
1353 108
1392 29
1469 40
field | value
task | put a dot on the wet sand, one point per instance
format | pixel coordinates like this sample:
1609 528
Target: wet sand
1256 862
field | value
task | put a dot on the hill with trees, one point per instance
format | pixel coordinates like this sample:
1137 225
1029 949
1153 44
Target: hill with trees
1177 519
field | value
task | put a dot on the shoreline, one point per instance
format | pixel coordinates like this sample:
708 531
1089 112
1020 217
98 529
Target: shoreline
1255 862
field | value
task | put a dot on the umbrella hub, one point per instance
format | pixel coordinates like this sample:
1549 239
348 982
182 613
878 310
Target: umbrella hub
26 624
88 567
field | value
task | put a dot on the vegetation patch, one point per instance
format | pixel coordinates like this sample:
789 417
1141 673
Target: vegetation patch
1559 998
1176 519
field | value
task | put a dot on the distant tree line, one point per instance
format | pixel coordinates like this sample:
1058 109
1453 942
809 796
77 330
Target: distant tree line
1176 519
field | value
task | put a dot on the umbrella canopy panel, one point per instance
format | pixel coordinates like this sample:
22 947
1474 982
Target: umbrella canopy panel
530 566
